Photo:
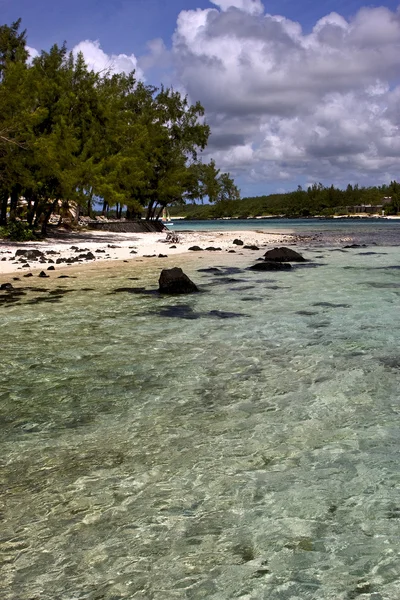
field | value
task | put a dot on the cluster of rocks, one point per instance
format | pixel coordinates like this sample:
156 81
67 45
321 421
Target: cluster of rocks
278 259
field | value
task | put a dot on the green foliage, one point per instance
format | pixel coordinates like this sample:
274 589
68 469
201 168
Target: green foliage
317 200
70 134
18 232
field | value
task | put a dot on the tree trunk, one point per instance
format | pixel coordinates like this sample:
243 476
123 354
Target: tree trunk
32 209
14 202
105 208
160 212
3 208
149 210
47 217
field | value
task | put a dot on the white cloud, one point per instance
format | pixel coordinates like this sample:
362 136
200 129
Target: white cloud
98 60
253 7
32 52
282 103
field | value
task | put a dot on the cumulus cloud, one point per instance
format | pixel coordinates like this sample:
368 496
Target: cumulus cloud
98 60
283 103
253 7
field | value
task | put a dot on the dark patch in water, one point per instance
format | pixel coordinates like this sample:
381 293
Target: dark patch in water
243 288
391 362
252 299
214 270
222 280
307 313
370 253
132 290
178 311
41 300
220 314
319 325
331 305
230 270
308 265
382 286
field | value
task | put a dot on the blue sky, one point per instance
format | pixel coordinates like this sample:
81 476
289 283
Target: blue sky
127 25
308 97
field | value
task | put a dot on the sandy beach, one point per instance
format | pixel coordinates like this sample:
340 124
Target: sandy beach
99 247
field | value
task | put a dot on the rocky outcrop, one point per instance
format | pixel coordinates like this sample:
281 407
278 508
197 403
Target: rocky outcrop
238 242
195 248
30 254
284 255
175 281
141 226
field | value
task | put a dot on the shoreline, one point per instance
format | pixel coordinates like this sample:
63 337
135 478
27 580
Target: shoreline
108 248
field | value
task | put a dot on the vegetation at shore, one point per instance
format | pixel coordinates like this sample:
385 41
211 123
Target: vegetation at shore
316 200
71 135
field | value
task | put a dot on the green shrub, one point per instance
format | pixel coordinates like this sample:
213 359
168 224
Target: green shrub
18 232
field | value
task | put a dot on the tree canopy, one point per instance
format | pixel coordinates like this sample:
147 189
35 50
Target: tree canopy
69 134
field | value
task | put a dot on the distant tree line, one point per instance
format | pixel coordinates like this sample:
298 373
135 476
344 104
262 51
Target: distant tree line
69 134
316 200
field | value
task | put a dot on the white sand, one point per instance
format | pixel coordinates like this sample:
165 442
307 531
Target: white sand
129 247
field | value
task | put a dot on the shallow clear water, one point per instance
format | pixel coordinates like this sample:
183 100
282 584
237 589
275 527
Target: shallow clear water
326 231
155 449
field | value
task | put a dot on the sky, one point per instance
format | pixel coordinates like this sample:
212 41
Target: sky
295 91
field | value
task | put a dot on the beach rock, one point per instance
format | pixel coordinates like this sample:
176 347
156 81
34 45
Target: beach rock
267 265
87 256
175 281
133 252
51 268
30 254
231 251
212 249
4 258
250 247
100 251
238 242
356 246
196 248
42 274
283 255
28 275
163 256
172 247
6 286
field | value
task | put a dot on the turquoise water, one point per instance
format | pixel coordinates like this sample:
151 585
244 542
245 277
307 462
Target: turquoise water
243 442
386 231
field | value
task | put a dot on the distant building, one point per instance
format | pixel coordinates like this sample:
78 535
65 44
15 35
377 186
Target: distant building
371 209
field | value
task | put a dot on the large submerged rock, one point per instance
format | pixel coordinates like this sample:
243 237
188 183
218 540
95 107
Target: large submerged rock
175 281
284 255
269 265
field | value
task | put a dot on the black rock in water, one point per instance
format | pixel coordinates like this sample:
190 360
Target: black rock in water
174 281
42 274
51 268
267 265
196 248
284 255
238 242
213 249
6 286
251 247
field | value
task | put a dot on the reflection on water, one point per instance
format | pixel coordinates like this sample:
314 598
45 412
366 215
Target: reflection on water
238 443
